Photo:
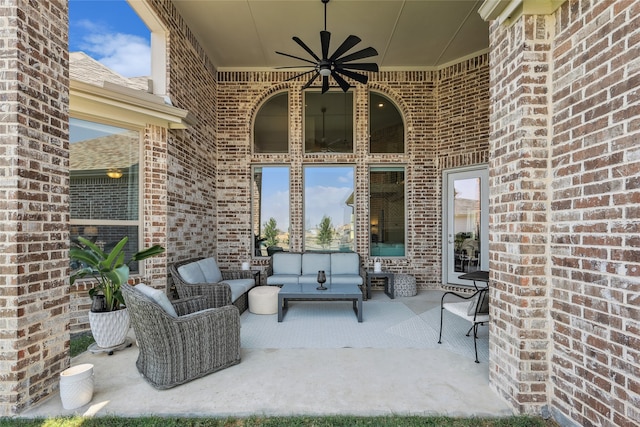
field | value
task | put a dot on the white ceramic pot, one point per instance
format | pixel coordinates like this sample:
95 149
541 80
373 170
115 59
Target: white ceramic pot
109 328
76 386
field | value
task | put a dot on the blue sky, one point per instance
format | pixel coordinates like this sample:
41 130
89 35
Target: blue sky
111 32
326 189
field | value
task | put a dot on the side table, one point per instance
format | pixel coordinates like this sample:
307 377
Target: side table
257 277
389 277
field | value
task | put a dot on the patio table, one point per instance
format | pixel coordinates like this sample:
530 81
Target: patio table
389 277
309 292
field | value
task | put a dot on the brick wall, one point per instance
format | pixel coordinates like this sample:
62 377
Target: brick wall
595 219
34 202
191 154
518 246
564 213
432 109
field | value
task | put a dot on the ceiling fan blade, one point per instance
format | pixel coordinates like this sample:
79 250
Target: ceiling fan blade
295 66
296 57
305 47
361 78
325 83
342 82
310 82
364 66
325 39
350 42
299 75
364 53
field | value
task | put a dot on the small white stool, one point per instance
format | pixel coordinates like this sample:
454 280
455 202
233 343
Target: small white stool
264 299
405 286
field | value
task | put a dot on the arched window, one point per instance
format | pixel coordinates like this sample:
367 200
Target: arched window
271 127
328 122
386 127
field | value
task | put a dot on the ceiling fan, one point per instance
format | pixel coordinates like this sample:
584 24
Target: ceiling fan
335 65
324 145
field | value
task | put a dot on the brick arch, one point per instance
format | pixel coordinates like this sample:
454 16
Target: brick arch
397 101
264 97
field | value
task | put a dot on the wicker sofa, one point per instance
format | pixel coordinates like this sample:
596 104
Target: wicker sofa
201 276
181 340
302 268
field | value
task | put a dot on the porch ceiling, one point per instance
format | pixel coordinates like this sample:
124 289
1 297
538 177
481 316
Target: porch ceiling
408 34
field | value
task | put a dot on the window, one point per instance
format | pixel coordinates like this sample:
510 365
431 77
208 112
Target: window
271 127
387 211
329 208
105 184
328 122
270 209
386 127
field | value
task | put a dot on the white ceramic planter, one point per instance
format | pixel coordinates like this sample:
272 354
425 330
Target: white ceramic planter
109 328
76 386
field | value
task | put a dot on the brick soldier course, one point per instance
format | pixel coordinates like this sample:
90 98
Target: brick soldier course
553 109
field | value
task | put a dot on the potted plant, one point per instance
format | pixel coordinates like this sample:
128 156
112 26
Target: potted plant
109 320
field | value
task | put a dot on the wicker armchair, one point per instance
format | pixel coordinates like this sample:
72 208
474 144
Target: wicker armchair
218 294
176 350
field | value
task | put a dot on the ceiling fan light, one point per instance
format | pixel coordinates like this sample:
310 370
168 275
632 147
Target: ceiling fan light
114 173
325 71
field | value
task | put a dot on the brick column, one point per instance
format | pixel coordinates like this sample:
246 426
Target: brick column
519 210
34 212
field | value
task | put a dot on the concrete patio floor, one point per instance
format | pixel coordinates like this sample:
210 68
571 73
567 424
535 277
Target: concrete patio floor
283 382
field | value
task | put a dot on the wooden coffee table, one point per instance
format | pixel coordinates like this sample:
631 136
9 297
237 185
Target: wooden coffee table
309 292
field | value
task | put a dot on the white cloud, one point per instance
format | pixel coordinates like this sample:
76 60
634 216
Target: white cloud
126 54
330 201
277 206
319 201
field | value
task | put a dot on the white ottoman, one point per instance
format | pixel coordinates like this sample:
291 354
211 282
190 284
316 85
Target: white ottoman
264 300
404 286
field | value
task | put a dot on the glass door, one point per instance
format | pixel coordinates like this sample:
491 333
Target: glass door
465 223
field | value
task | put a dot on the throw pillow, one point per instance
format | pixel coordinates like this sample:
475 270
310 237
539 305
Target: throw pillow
159 297
191 273
210 269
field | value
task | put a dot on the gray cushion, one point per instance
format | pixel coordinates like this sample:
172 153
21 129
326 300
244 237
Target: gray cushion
345 263
210 270
286 263
312 263
191 273
346 279
239 287
159 297
283 279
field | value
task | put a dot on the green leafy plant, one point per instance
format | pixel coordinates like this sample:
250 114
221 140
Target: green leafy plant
325 232
271 232
108 268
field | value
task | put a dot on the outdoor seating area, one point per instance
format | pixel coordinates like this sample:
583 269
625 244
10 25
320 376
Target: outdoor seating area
343 268
194 276
351 365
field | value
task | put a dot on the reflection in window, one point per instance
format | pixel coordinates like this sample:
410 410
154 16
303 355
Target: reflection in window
328 122
104 190
386 125
387 211
466 224
329 208
270 209
271 128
